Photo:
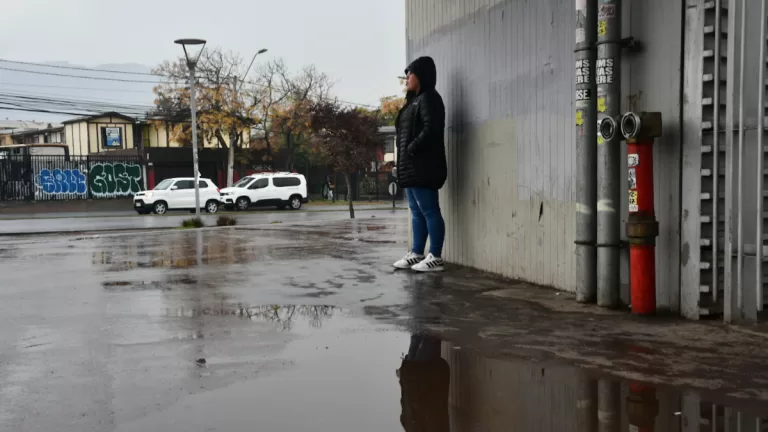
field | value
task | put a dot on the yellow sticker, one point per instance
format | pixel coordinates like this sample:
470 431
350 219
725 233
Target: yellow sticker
601 105
579 118
600 139
633 201
602 28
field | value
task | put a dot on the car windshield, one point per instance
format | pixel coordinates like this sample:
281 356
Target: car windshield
244 182
165 184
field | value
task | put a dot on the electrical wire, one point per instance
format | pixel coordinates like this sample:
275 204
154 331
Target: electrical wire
69 87
79 68
79 76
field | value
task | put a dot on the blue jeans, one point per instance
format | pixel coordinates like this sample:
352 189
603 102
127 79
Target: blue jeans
426 220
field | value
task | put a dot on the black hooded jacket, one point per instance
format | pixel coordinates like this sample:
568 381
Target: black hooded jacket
421 132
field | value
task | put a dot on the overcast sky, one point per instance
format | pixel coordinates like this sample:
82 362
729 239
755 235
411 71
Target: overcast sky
359 43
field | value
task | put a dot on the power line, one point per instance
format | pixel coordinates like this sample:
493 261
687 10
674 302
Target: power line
78 68
70 88
79 76
68 98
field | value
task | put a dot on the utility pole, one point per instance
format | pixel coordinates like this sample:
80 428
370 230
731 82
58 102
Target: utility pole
192 64
237 87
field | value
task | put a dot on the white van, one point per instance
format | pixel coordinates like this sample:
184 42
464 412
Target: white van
280 190
177 194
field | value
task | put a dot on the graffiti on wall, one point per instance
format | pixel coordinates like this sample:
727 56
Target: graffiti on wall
103 180
61 182
108 180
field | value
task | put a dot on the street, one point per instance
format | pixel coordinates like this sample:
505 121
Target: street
127 220
303 325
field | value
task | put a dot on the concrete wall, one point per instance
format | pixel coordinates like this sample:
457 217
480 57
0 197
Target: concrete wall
505 70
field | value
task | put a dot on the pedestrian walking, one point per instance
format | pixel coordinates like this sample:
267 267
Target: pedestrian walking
421 166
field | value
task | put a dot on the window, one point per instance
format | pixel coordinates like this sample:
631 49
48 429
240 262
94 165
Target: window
260 184
163 185
202 184
185 184
389 146
286 181
243 182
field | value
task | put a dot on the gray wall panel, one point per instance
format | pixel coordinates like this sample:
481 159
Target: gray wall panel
506 74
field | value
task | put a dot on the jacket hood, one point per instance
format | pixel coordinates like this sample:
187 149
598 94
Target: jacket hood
425 69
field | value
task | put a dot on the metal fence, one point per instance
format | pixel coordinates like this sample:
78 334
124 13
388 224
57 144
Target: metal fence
48 178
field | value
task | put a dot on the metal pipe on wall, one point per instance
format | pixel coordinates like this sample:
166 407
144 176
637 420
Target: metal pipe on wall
760 161
740 185
608 78
586 151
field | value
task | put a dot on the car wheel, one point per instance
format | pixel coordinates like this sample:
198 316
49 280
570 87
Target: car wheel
295 203
243 203
211 206
160 208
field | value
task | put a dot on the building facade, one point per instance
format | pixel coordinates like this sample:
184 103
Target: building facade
506 71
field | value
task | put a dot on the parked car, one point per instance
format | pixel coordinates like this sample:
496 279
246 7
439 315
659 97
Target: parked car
280 190
177 194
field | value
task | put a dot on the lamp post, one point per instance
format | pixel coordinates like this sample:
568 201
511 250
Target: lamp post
197 45
232 136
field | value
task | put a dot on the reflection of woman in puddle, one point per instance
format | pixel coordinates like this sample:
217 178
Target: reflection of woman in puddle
424 382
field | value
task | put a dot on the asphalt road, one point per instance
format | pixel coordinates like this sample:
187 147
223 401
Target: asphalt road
304 326
89 222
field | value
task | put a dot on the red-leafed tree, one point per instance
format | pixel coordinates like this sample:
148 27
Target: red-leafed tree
347 138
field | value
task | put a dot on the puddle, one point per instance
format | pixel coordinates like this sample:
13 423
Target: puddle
349 374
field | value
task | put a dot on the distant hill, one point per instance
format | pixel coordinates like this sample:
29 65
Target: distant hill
133 96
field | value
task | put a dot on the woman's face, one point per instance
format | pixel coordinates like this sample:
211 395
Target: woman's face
412 82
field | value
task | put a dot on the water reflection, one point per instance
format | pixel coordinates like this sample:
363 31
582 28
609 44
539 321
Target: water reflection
182 250
284 316
446 388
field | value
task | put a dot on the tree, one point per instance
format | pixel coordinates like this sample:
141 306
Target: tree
347 138
223 107
286 105
390 106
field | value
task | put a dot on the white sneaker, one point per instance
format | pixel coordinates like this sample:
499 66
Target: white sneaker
430 264
408 261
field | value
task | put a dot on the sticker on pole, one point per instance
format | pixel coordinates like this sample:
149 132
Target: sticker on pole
633 201
633 160
632 179
606 11
581 35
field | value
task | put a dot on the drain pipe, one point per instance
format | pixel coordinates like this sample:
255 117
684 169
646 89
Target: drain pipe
586 151
608 78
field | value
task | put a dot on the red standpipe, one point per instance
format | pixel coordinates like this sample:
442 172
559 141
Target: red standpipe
642 253
642 227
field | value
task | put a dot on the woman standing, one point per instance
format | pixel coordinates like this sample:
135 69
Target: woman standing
421 166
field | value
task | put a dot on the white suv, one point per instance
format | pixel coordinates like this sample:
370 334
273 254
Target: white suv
177 194
267 189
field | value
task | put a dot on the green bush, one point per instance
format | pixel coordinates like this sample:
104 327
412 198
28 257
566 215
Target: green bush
193 223
226 221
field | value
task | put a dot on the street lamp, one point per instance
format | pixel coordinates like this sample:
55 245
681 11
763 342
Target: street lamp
193 48
231 152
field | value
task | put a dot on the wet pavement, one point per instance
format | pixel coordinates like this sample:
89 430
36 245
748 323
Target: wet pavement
90 222
304 326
